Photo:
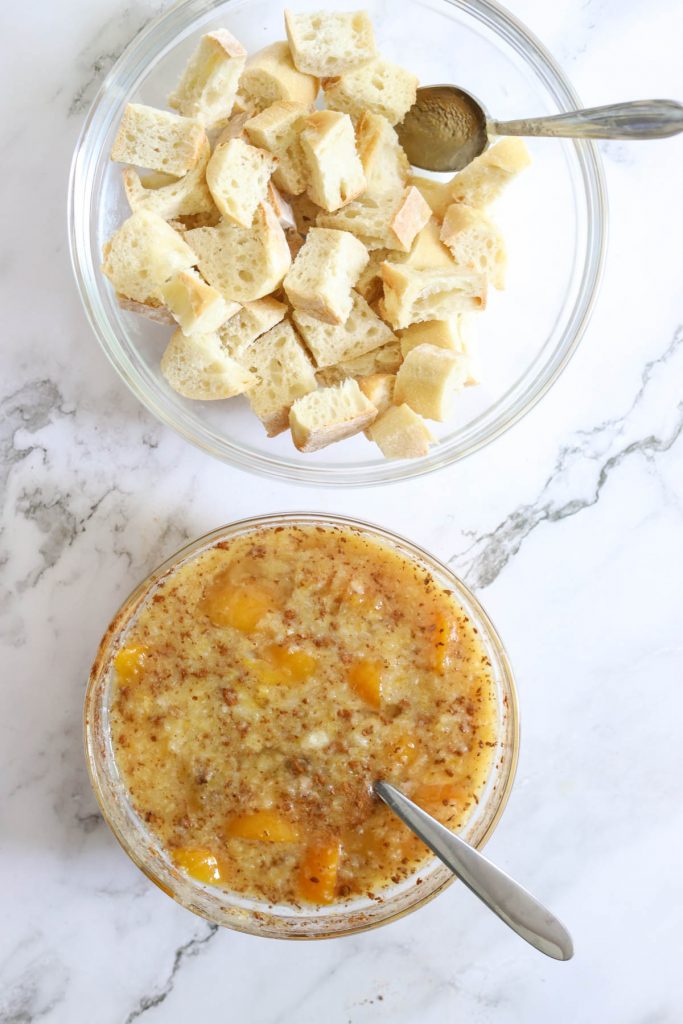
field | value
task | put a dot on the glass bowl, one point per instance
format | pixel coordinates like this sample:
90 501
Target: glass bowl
553 219
256 917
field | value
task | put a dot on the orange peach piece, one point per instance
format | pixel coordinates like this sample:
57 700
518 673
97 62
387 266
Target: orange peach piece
318 873
130 662
434 793
239 607
365 679
201 864
295 665
267 826
404 748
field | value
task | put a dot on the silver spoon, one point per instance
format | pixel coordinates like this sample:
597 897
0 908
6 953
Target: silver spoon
505 897
446 128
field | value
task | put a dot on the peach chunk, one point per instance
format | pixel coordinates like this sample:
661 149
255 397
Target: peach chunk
431 794
318 873
268 826
295 666
365 679
443 631
241 607
130 662
201 864
404 748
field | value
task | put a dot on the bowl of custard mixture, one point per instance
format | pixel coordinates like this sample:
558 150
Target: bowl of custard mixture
251 690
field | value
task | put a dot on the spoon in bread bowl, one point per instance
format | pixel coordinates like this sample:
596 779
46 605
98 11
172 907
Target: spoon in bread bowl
446 128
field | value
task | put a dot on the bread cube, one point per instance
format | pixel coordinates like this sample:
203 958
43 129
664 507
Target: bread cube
378 87
411 296
483 181
175 197
475 242
321 278
276 129
328 415
328 43
285 373
385 359
142 254
436 194
330 344
197 367
401 433
385 164
334 171
208 85
238 175
158 140
379 389
410 216
245 326
428 379
270 76
428 251
196 306
385 222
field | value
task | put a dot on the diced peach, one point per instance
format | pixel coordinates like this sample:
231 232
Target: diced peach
295 665
318 873
130 662
404 748
443 631
431 794
241 607
365 679
201 864
268 826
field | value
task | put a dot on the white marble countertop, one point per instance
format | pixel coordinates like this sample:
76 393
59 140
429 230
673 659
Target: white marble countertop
570 528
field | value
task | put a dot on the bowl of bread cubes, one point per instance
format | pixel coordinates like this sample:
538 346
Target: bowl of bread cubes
271 277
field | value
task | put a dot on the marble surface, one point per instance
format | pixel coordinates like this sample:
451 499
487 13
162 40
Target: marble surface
570 528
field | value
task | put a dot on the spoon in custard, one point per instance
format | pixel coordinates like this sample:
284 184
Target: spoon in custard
510 901
446 128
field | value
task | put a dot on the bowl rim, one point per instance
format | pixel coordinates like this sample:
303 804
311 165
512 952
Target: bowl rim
119 81
262 923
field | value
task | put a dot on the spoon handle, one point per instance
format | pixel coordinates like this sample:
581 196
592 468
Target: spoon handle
641 119
512 903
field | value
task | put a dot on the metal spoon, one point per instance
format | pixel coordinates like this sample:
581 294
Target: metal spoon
446 128
505 897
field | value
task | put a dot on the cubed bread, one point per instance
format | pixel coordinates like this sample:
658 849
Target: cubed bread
411 296
270 76
326 43
400 433
238 175
285 373
475 242
330 344
328 415
196 306
233 129
208 85
385 222
152 310
378 87
196 366
453 334
256 318
370 284
276 129
385 359
175 197
324 272
305 213
379 389
435 193
428 250
156 139
333 168
483 181
410 216
243 264
142 254
428 379
385 164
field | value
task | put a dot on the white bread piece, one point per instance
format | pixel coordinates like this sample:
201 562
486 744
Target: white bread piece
142 254
428 379
243 264
334 171
276 129
385 222
324 272
436 194
453 334
428 250
411 296
378 87
252 320
369 284
197 367
157 179
475 242
305 213
160 141
238 175
401 433
330 344
385 164
152 310
196 306
379 389
385 359
285 373
174 198
410 217
208 85
326 43
329 415
234 129
270 76
483 181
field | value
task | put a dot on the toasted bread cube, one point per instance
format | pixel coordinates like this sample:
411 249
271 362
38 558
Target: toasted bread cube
436 194
208 85
475 242
400 433
385 222
385 359
285 373
152 310
197 367
411 296
197 307
378 87
453 334
276 129
385 164
427 380
238 175
331 414
428 251
158 140
252 320
324 272
335 173
328 43
243 264
330 344
270 76
483 181
378 388
142 254
174 197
